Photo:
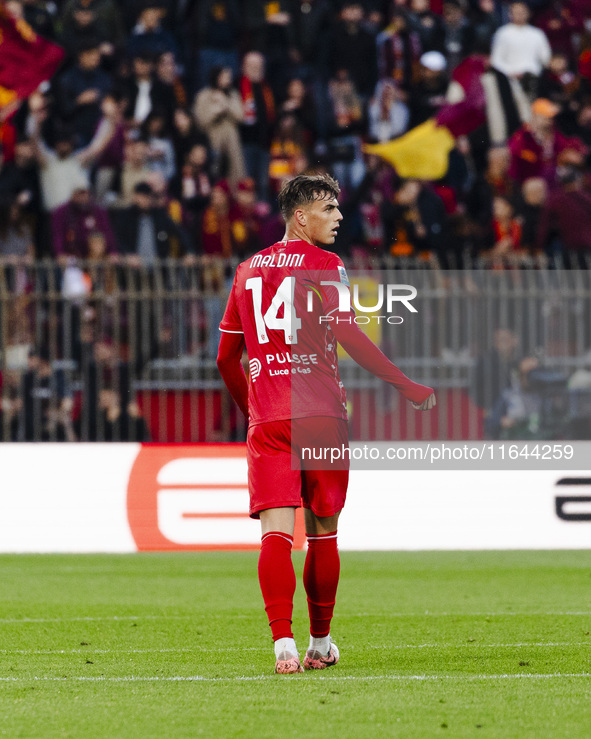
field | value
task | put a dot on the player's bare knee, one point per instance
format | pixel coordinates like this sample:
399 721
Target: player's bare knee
278 519
318 525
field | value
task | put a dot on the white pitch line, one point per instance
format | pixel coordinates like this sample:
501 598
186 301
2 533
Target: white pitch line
462 645
472 645
366 678
27 620
130 651
165 617
449 614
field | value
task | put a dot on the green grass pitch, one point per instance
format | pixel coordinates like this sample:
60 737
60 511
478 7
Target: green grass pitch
457 644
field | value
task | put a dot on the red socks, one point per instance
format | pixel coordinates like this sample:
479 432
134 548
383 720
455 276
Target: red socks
321 579
278 582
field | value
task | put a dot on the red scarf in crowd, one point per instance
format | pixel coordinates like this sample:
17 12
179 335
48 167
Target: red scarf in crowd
249 104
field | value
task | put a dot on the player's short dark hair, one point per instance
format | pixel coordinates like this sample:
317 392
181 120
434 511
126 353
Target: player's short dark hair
304 189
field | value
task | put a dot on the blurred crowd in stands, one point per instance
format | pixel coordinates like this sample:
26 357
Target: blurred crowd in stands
170 127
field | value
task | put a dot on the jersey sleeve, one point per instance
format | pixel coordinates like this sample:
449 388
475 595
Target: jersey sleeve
231 322
367 355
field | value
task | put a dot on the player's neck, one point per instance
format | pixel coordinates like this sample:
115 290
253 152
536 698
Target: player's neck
296 234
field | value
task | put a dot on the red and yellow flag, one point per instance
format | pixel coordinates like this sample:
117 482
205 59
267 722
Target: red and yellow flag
26 59
423 152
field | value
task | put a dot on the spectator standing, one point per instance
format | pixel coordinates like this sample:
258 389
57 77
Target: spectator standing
82 28
311 24
39 18
388 114
64 168
218 241
161 157
516 414
194 187
562 23
537 147
506 230
246 216
102 366
258 107
145 92
398 50
583 123
348 126
167 72
458 33
108 166
215 29
81 91
567 218
165 199
19 179
16 239
414 222
288 151
300 104
428 92
118 422
561 86
486 185
146 232
46 403
185 135
353 47
519 49
218 110
276 41
75 221
106 12
485 21
136 167
494 369
148 36
534 194
428 25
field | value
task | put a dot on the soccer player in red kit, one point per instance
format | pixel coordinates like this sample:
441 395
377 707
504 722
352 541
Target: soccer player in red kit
281 309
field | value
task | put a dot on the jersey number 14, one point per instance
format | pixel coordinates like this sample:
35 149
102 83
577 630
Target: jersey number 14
289 323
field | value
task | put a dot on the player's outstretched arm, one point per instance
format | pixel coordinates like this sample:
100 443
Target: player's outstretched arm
362 349
230 366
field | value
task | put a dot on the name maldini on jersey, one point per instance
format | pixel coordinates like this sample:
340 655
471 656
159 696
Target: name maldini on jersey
277 260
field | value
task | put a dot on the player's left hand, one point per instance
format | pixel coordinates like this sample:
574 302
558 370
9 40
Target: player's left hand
426 405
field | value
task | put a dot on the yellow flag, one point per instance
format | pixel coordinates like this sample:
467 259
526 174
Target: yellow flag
422 153
6 96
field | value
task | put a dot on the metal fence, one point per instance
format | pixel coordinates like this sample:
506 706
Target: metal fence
118 352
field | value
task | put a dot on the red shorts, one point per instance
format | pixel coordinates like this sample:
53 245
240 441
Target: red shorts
284 471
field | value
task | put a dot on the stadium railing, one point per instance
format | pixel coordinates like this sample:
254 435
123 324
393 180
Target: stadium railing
84 343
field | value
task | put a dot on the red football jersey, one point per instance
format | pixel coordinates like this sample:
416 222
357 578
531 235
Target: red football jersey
277 302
